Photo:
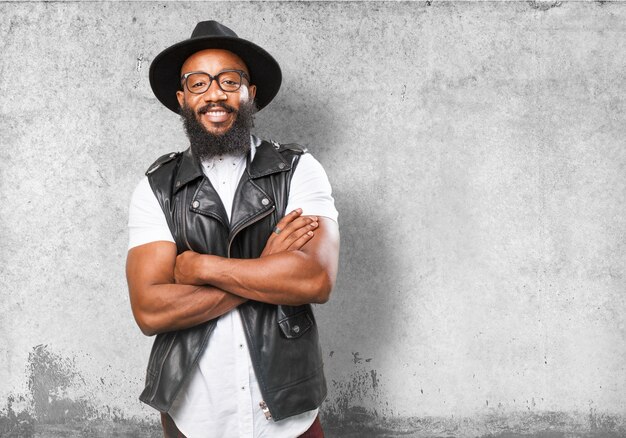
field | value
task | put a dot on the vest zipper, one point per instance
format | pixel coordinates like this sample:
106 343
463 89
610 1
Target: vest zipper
246 224
262 404
266 410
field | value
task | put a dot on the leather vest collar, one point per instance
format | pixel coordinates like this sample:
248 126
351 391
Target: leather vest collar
266 161
251 201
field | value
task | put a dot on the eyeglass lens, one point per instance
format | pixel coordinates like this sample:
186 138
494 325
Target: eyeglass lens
198 83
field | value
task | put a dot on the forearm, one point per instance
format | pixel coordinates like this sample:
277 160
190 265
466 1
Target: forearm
290 278
159 304
167 307
306 275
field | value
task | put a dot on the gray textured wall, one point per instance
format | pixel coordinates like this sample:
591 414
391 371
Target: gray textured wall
478 161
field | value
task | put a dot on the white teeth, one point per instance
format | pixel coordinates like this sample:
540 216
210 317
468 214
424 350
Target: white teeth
216 113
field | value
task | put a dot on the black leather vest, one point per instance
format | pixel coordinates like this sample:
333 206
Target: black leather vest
283 340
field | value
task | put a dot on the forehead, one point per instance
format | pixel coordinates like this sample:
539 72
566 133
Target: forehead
213 61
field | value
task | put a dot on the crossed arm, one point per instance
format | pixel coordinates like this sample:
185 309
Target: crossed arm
170 292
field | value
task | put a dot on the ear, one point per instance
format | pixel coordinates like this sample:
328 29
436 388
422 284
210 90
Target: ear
181 98
252 91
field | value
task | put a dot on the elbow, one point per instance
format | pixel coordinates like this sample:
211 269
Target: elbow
322 298
149 321
148 331
147 325
323 286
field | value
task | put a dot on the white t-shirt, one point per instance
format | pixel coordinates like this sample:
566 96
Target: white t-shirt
221 397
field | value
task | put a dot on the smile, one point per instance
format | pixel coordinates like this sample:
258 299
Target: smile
217 115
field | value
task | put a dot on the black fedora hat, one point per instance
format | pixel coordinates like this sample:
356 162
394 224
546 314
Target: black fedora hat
165 68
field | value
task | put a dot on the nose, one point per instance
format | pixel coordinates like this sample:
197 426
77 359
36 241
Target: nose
214 93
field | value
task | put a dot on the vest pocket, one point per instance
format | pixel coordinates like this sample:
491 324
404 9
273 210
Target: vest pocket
296 324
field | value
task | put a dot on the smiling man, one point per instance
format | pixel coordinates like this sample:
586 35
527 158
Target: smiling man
230 242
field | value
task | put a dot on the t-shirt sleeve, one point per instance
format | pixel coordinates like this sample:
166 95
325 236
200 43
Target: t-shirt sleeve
146 220
310 190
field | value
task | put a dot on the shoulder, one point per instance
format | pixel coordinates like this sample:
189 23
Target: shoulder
310 168
283 148
142 199
293 147
163 160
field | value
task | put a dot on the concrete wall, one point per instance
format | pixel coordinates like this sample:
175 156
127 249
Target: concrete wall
478 160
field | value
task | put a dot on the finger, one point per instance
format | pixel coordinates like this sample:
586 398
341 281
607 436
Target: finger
289 218
299 232
290 223
298 223
301 241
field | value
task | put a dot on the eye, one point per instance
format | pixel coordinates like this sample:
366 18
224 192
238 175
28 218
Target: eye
197 84
230 81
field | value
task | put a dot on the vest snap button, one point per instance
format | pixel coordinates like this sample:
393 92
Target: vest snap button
195 204
177 183
281 165
296 329
265 201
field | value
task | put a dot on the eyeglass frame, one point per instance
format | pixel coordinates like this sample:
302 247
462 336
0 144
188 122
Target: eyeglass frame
183 80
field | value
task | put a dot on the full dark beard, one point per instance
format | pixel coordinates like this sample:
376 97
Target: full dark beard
235 141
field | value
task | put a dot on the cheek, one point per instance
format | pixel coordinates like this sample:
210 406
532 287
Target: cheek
244 95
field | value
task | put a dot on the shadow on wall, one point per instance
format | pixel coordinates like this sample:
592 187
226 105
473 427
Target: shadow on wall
367 259
367 262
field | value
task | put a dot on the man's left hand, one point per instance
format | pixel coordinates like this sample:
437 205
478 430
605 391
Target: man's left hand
296 231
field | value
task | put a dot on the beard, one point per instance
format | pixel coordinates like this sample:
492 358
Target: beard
206 145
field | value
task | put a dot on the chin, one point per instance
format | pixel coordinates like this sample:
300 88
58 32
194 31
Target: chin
217 132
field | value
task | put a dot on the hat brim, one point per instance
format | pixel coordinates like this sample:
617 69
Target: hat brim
264 71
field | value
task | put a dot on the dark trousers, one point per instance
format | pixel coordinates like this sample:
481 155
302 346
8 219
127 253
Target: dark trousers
171 431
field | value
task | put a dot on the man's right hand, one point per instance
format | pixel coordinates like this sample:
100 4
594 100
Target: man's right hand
291 233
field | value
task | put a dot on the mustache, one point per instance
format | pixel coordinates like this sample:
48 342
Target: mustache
211 105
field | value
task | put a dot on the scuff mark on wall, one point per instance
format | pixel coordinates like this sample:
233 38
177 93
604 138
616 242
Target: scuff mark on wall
139 62
138 67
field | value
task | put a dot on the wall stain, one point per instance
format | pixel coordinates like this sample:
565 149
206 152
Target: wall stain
16 424
357 359
51 377
360 422
55 406
349 397
374 379
544 5
357 407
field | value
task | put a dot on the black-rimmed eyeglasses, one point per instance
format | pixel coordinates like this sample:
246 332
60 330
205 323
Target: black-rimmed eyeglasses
198 82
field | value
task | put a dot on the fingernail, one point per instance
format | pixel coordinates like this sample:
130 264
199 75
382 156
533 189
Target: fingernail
310 233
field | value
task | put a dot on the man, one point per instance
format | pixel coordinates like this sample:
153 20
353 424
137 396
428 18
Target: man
230 242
